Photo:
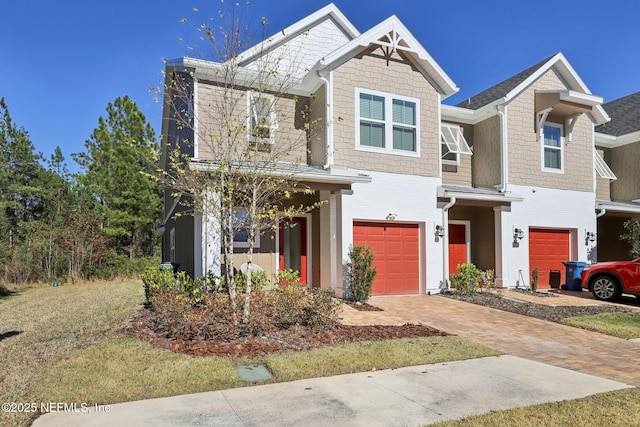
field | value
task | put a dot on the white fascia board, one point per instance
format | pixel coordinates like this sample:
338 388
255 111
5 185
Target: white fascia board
470 117
617 208
609 141
446 86
279 38
479 197
216 72
458 114
345 177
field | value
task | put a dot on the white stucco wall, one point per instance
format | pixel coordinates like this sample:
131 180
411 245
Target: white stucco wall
413 200
547 208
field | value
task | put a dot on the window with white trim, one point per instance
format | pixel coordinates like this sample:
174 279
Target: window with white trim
262 122
552 148
387 123
172 245
241 231
453 143
602 167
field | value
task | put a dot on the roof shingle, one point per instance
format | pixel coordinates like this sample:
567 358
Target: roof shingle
501 89
625 116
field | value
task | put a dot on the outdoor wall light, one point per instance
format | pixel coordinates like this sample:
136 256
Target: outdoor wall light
391 216
518 234
439 231
590 236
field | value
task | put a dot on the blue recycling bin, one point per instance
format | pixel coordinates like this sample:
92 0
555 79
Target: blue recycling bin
572 277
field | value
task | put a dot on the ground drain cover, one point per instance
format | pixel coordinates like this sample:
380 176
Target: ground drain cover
253 373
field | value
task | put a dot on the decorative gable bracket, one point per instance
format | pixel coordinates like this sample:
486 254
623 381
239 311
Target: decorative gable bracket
569 123
541 118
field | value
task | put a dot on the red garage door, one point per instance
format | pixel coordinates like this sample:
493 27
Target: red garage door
547 249
397 255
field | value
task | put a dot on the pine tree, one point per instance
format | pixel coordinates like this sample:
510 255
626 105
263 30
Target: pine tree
118 162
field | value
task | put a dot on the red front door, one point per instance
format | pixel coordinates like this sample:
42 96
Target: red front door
457 247
292 245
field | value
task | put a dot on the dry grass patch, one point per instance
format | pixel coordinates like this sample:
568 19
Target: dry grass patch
621 325
41 324
616 408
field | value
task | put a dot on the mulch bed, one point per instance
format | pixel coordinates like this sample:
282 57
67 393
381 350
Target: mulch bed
534 294
539 311
296 338
362 306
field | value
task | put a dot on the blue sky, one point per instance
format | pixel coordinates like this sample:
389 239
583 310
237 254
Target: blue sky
63 61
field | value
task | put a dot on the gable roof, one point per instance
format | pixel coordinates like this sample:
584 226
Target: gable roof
506 91
625 116
502 89
393 34
329 14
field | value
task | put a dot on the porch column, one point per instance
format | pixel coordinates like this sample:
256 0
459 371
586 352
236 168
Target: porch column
331 241
502 244
209 251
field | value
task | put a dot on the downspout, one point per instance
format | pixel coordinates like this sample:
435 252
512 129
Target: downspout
601 213
328 89
504 173
445 242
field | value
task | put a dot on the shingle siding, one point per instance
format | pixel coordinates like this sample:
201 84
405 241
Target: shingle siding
524 151
624 163
486 153
372 72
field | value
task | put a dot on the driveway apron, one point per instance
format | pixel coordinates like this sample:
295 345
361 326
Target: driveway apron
542 341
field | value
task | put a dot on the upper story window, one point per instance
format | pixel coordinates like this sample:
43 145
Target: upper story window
453 144
552 148
262 118
387 123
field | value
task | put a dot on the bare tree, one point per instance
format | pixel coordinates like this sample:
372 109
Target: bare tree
251 135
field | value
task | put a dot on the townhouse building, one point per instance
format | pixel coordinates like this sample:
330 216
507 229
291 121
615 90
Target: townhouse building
514 178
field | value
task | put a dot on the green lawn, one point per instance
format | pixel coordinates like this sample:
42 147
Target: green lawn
616 408
621 325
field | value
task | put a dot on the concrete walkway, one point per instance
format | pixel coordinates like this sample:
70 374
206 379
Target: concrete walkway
401 397
544 362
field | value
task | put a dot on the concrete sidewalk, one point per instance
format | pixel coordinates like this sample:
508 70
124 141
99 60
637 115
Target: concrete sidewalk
406 396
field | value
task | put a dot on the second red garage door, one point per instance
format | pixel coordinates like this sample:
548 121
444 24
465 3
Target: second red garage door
547 249
397 255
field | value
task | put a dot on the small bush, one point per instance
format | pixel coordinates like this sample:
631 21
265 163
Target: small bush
154 279
487 281
288 277
534 280
361 272
467 280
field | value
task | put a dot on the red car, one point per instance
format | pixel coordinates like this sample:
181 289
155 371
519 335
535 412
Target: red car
608 280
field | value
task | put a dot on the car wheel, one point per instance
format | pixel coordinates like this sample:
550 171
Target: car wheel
605 288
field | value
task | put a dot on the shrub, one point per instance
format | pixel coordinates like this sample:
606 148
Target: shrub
154 279
534 280
361 272
487 281
283 307
467 280
288 277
